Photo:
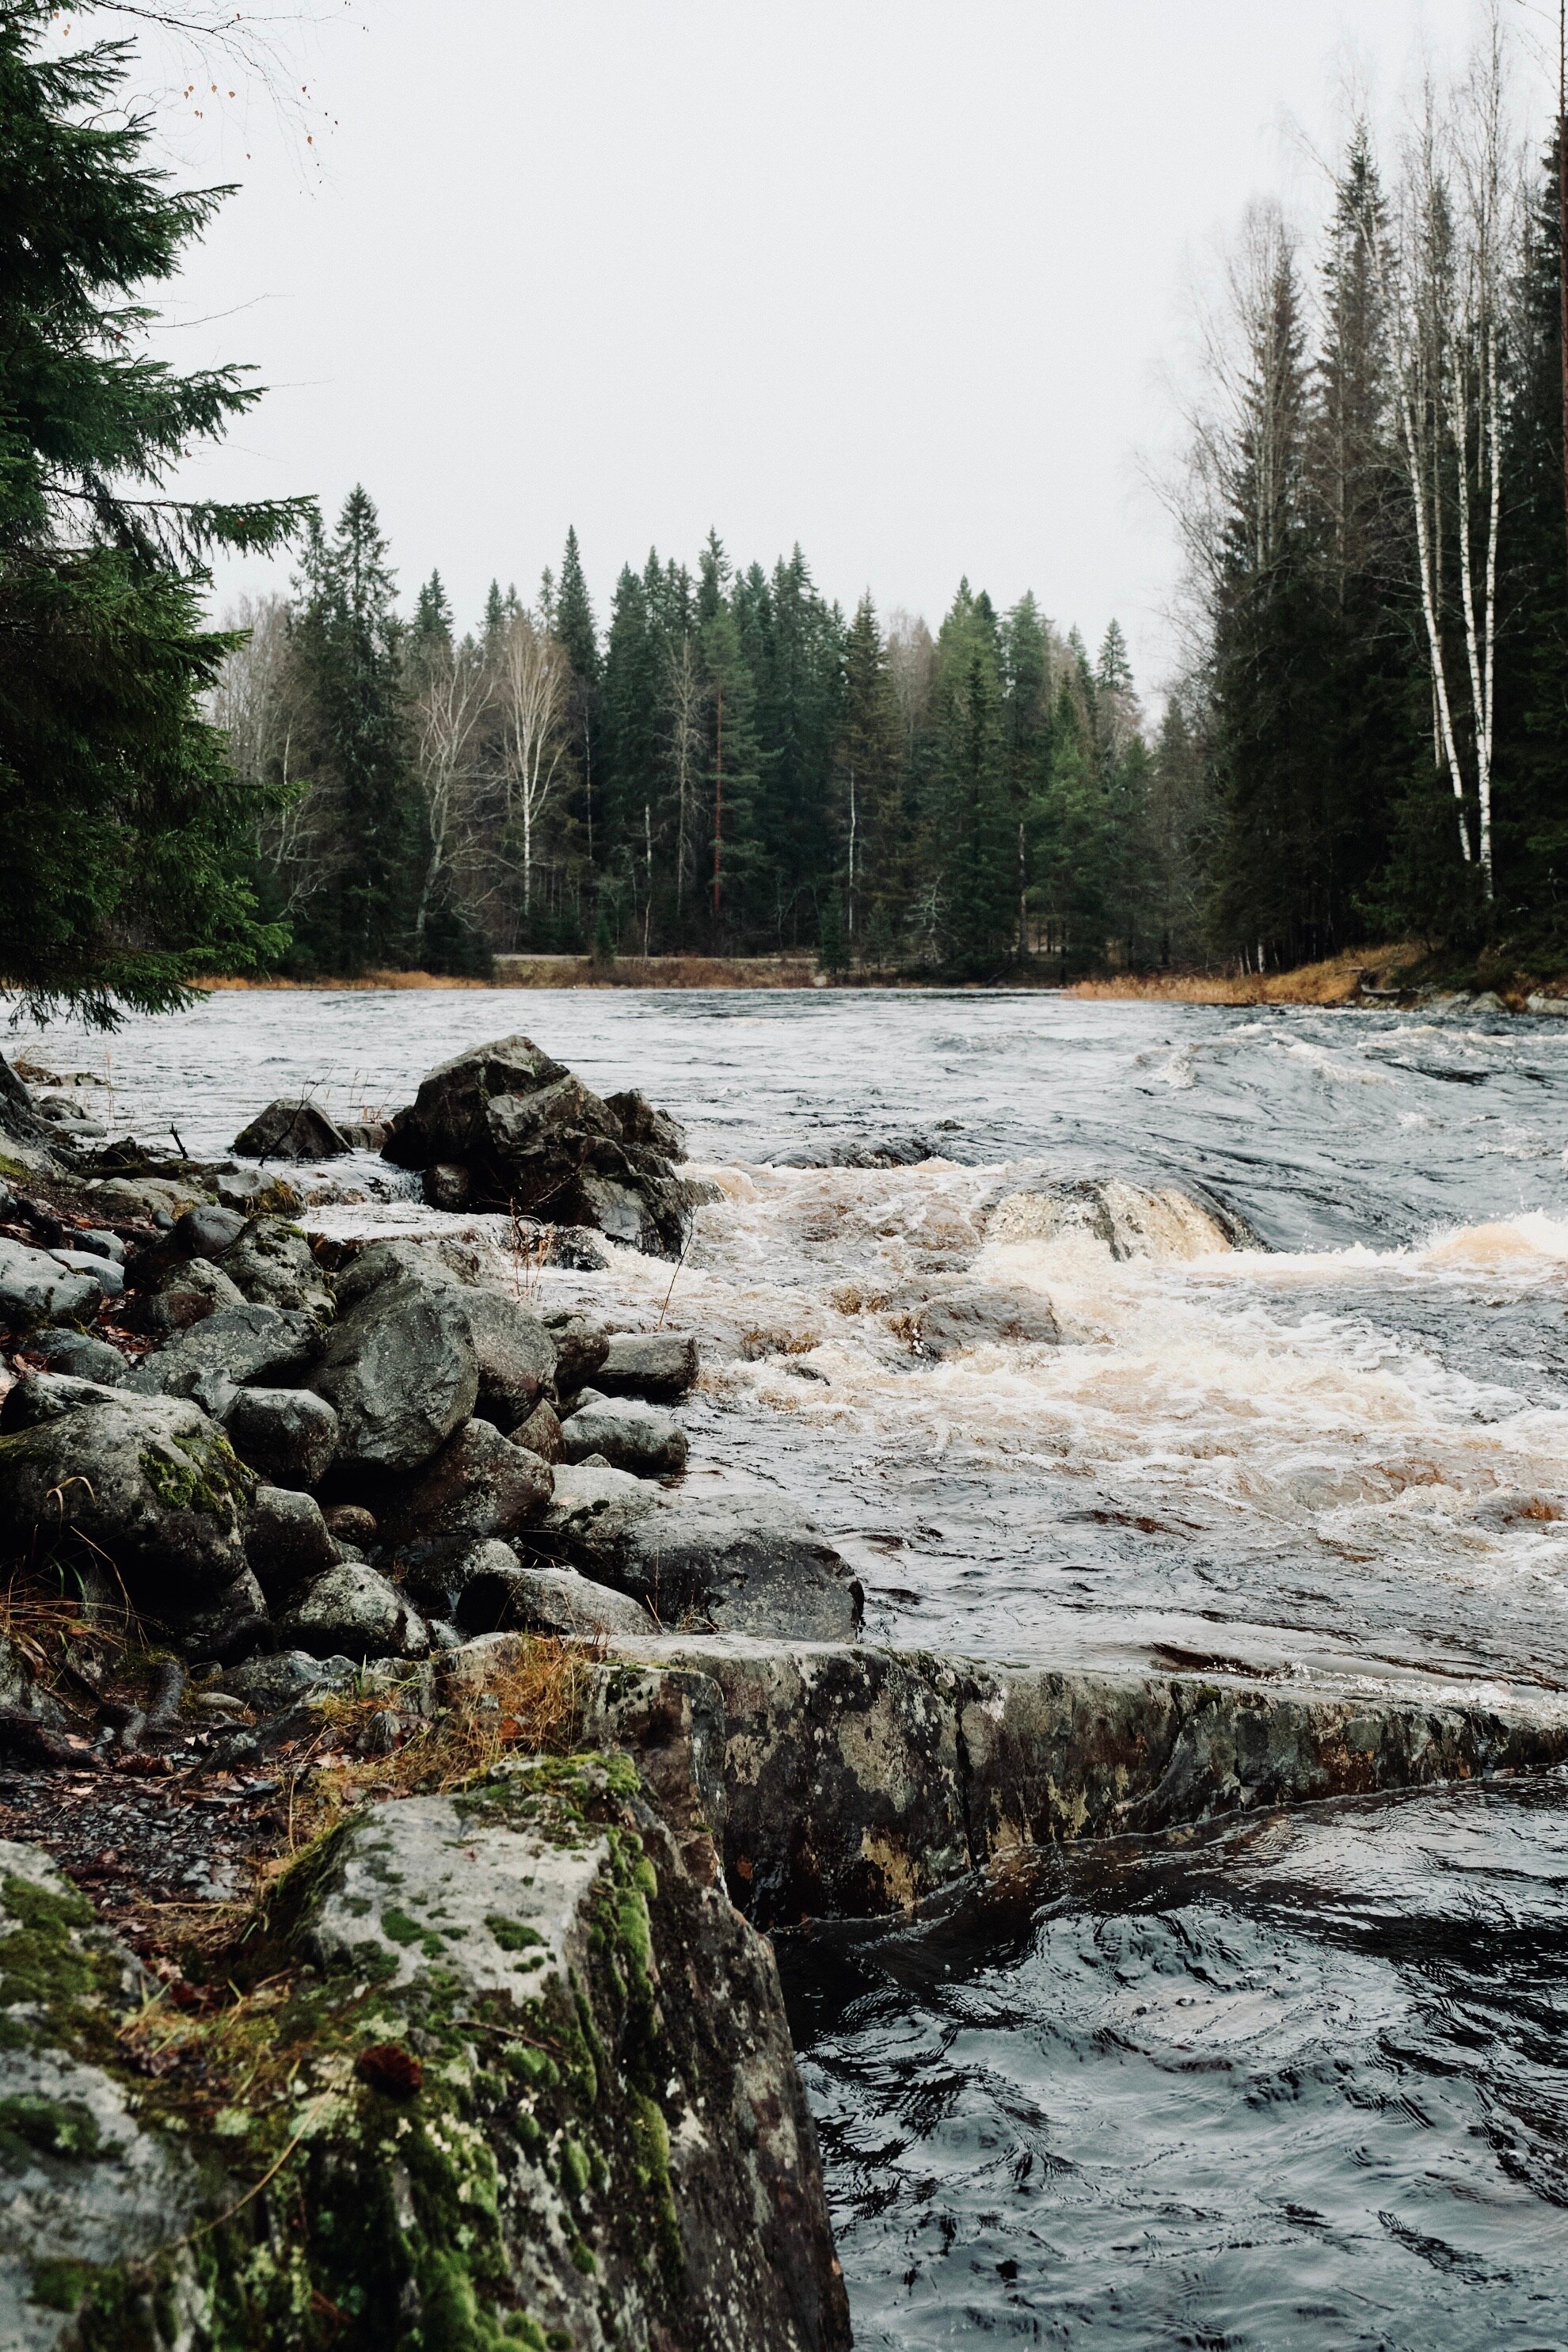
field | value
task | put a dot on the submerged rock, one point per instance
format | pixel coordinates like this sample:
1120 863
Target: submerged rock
978 1315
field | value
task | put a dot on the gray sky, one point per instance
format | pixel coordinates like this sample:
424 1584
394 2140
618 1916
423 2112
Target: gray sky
897 279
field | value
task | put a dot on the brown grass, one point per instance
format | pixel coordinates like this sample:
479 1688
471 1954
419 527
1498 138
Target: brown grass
366 981
1336 980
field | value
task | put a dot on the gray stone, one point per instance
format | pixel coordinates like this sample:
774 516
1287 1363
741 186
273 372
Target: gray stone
127 1200
479 1484
535 1600
229 1625
108 1274
80 1355
271 1683
289 1435
256 1194
148 1482
232 1347
642 1124
40 1397
209 1231
364 1134
628 1434
184 1294
445 1185
34 1287
354 1610
271 1264
287 1541
658 1364
101 1243
582 1344
291 1129
979 1317
515 1354
726 1562
399 1366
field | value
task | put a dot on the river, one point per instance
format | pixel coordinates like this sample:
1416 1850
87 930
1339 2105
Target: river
1292 2083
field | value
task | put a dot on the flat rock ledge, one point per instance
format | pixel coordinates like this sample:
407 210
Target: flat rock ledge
501 2073
856 1782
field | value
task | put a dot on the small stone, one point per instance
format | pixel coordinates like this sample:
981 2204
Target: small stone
351 1522
109 1276
582 1343
34 1287
658 1364
541 1433
81 1356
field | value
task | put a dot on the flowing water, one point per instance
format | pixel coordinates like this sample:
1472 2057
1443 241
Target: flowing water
1295 2084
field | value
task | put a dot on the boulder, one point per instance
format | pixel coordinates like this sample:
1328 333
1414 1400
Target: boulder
292 1131
98 1266
208 1231
254 1194
354 1610
351 1522
228 1626
287 1541
445 1185
271 1264
181 1295
231 1347
504 1593
399 1366
513 1353
271 1683
479 1484
34 1287
126 1200
628 1434
40 1397
289 1435
980 1315
533 1140
658 1364
148 1483
729 1562
80 1355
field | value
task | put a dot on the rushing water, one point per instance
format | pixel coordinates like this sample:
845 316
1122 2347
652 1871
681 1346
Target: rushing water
1294 2083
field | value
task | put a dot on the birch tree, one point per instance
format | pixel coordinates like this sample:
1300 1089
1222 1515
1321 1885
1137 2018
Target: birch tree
532 685
450 702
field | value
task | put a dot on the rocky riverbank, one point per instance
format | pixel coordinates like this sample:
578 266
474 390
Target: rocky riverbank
401 1755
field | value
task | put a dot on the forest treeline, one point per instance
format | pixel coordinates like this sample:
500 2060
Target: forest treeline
729 764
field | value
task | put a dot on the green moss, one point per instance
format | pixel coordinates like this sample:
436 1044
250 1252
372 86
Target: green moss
510 1934
575 2175
197 1473
41 1963
31 2127
62 2285
396 1925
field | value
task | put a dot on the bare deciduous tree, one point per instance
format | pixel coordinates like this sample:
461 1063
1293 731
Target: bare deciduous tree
450 702
256 701
532 682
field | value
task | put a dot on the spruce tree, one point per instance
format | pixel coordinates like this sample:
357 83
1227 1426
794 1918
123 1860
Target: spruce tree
574 624
867 764
969 836
125 836
348 642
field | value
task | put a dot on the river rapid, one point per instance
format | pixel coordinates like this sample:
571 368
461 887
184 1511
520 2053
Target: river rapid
1290 2083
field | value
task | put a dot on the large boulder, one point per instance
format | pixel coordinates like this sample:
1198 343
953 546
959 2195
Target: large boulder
479 1484
292 1131
513 1353
658 1364
78 1353
287 1541
537 1141
289 1435
177 1296
272 1265
729 1562
148 1483
399 1364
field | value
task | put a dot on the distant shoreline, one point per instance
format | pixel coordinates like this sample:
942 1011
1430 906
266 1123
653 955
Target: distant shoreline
1365 977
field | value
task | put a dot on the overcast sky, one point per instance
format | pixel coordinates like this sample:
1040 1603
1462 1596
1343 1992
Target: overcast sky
896 278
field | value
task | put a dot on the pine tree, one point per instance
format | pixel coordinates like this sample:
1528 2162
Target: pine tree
125 836
348 641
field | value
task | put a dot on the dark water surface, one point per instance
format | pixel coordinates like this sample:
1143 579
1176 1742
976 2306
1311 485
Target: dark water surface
1293 2085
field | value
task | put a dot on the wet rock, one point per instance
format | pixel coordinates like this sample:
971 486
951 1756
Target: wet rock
230 1349
537 1141
540 1433
727 1562
514 1353
363 1134
353 1610
151 1483
271 1683
1126 1221
183 1295
979 1317
399 1366
292 1131
289 1435
446 1186
209 1231
78 1354
287 1541
628 1434
255 1194
127 1200
642 1124
98 1267
271 1264
34 1287
479 1484
658 1364
582 1344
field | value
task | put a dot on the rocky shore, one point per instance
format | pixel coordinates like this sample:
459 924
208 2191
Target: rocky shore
401 1764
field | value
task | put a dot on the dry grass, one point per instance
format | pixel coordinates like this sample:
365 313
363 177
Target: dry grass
365 982
1338 979
533 1701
